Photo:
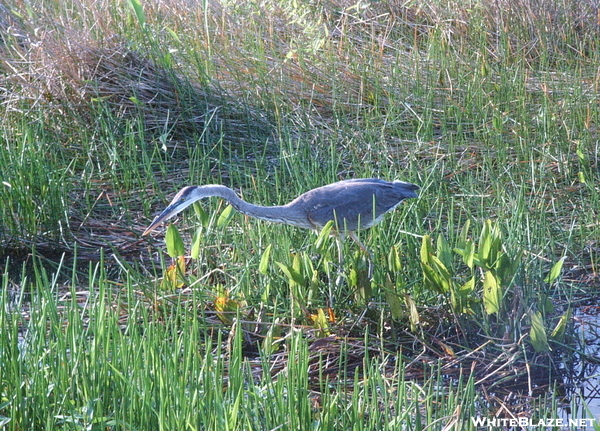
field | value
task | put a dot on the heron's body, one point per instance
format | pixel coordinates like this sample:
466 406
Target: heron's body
352 204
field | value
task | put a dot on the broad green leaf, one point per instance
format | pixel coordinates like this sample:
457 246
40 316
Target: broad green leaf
507 266
297 264
433 280
443 251
201 214
292 275
271 342
468 287
503 267
314 280
492 293
469 256
307 263
464 246
558 333
440 268
174 275
320 323
545 304
437 274
467 252
393 300
430 277
322 242
497 122
352 278
264 260
485 244
196 244
537 334
463 238
484 70
582 156
175 247
555 271
174 35
225 216
426 249
490 245
136 5
363 282
413 313
394 262
226 308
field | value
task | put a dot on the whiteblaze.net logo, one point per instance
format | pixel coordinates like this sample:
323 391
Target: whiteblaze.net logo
486 422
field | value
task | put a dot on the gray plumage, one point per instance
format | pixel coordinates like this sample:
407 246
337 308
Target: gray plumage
353 204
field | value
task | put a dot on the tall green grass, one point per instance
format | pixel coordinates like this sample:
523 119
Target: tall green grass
109 358
36 183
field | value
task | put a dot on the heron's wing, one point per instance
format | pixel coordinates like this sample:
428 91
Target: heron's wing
353 204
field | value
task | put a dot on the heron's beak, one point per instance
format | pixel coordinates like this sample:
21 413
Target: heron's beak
169 212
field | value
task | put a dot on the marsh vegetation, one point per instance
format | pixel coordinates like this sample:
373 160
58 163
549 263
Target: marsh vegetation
226 322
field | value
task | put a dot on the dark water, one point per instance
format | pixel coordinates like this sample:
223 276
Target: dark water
582 381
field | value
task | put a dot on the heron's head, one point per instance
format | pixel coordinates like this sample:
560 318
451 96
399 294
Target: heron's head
181 201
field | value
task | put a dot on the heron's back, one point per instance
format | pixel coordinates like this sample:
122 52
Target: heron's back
353 204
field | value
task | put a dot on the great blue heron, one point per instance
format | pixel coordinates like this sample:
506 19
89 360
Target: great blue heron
352 204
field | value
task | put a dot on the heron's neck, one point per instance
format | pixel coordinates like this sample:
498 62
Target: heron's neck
278 214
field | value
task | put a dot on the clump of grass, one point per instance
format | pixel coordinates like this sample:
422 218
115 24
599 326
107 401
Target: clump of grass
112 358
84 77
108 110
